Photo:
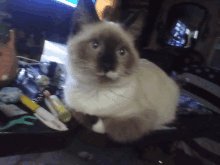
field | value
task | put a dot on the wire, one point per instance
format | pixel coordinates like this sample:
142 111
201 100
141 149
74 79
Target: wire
27 63
28 59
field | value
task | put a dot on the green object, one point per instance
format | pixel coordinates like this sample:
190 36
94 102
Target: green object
19 121
65 117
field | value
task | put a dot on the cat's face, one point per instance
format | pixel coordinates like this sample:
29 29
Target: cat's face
102 52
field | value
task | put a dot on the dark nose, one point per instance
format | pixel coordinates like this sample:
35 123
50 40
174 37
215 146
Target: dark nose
107 61
106 67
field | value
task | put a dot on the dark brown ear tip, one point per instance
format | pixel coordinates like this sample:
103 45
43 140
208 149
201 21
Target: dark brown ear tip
75 27
84 13
131 19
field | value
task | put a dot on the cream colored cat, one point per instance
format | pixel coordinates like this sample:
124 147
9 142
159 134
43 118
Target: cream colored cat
106 78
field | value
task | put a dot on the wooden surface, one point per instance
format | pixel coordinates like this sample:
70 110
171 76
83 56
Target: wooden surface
8 62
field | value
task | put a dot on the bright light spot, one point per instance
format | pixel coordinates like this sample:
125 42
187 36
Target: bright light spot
160 162
187 31
67 3
196 34
52 47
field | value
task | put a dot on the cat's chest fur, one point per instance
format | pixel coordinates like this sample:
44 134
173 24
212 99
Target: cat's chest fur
149 89
100 101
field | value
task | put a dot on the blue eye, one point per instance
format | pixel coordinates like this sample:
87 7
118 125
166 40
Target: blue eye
122 51
95 44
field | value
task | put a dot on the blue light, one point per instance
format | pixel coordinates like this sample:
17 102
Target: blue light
73 1
179 32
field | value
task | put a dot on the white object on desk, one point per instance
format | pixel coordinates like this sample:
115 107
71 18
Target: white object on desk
54 52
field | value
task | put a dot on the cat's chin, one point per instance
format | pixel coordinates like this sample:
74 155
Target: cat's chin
109 75
107 80
97 80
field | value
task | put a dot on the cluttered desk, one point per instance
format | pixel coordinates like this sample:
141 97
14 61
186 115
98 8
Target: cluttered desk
33 118
32 109
32 113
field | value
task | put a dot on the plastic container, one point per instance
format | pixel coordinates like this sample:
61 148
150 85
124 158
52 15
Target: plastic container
57 107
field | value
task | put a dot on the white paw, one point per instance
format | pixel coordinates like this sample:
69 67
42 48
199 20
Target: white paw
99 127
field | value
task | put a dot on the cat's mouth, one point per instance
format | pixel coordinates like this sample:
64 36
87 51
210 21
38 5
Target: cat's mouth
108 76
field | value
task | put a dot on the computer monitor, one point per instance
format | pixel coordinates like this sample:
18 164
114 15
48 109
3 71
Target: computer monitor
51 16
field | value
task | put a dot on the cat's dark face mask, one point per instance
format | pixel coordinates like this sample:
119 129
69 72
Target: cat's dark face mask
107 52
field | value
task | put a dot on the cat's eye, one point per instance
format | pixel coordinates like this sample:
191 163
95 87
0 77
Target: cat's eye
122 51
95 44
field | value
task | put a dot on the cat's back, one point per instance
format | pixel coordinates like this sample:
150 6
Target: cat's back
160 91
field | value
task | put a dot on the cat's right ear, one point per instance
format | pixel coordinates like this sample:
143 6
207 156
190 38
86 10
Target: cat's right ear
85 13
134 23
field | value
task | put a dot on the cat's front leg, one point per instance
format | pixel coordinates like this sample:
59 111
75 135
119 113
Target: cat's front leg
77 117
89 121
99 127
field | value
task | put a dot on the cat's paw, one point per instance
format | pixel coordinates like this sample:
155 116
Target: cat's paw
99 127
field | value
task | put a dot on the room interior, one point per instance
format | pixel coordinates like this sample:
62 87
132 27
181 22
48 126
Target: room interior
180 36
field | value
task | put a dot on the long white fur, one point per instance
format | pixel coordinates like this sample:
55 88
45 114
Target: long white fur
148 88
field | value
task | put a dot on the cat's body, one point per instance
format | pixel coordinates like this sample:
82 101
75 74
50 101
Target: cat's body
107 79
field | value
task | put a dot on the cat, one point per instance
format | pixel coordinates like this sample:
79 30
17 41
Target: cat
109 88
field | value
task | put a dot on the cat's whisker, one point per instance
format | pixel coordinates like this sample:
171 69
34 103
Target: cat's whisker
89 91
117 104
114 101
97 98
79 90
118 94
100 74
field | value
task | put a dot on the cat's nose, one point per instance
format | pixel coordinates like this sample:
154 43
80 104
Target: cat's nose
107 67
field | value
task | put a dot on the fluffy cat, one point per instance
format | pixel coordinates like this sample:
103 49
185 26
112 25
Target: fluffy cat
122 95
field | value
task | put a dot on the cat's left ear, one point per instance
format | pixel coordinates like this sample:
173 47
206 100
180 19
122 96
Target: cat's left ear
134 23
84 13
